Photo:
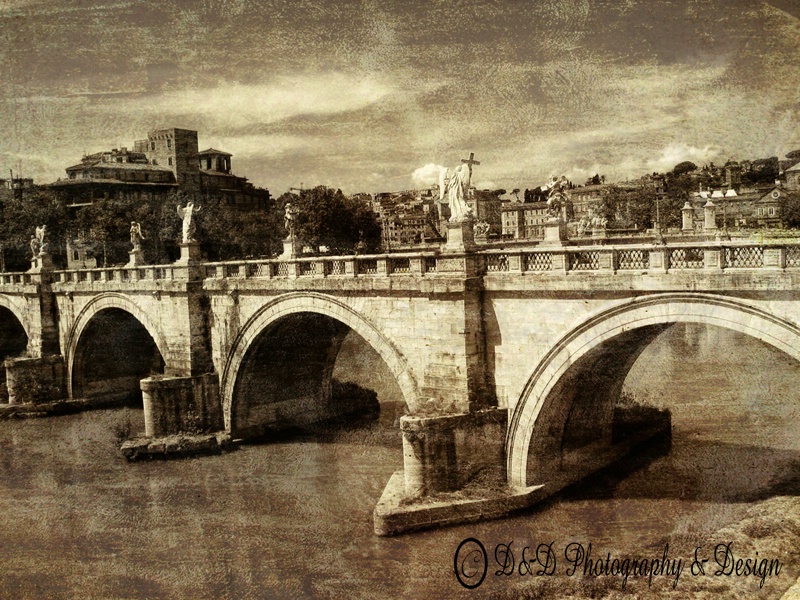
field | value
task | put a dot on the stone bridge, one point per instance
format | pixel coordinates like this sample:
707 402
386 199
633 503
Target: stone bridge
510 361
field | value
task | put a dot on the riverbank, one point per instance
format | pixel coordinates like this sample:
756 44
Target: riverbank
768 535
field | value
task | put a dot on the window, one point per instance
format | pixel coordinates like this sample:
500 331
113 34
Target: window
152 145
169 161
771 211
169 143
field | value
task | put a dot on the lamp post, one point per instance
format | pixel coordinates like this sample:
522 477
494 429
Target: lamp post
659 236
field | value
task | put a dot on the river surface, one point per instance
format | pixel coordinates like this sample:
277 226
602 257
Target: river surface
293 518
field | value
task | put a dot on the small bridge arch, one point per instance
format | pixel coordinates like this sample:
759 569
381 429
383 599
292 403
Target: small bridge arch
295 304
626 329
16 306
104 303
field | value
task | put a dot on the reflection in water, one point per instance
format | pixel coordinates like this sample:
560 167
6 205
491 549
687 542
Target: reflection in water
292 518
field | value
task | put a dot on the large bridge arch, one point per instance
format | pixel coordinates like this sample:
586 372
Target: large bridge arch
319 304
105 302
628 327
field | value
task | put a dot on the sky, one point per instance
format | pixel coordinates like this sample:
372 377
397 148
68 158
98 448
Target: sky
378 95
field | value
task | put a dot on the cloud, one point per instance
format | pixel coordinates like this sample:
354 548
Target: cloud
678 153
485 184
427 175
240 105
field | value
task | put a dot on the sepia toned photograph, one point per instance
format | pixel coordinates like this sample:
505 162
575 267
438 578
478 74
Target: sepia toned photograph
402 299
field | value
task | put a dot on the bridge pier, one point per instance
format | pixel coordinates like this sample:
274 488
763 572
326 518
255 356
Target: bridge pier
175 405
444 453
36 380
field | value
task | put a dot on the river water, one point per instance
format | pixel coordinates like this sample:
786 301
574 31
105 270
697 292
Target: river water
292 518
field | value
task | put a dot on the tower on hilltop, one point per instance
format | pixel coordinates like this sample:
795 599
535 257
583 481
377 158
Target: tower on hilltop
175 149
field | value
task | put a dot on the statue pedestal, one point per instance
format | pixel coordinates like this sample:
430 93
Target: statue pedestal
137 258
460 237
555 233
190 253
42 262
289 248
599 235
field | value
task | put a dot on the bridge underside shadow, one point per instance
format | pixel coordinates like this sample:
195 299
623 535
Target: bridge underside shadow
286 378
114 353
13 343
583 427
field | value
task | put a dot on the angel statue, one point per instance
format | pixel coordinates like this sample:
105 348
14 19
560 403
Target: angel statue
136 235
455 187
187 214
40 243
290 212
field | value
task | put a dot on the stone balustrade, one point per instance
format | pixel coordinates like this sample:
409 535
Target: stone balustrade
418 264
643 258
531 260
122 274
15 279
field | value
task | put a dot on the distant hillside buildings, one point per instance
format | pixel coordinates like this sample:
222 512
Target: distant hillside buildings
161 166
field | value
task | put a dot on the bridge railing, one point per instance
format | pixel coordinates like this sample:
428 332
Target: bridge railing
121 274
15 278
541 259
714 256
417 264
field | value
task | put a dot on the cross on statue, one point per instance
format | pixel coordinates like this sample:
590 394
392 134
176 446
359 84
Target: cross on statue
470 161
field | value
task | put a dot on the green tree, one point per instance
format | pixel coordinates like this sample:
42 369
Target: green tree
326 217
612 206
790 209
19 217
686 166
226 233
106 224
762 171
641 207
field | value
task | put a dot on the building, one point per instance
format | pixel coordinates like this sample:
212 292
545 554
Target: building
792 175
159 167
749 209
524 220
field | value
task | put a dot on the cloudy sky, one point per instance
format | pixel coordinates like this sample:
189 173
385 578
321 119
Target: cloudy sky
371 95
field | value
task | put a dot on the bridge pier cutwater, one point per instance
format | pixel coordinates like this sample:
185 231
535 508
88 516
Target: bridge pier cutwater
510 361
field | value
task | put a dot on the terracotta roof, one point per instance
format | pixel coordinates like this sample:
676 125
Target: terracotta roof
794 168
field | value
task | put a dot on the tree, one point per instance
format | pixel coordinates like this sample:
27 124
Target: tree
762 171
326 217
611 205
106 224
790 209
228 234
678 190
19 217
641 207
794 156
686 166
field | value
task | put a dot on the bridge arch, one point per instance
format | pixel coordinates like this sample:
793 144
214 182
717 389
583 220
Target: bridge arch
17 308
295 304
103 303
624 331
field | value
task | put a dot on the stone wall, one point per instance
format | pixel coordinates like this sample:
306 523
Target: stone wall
181 405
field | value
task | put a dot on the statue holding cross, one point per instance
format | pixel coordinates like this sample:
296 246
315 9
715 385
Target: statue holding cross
455 187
